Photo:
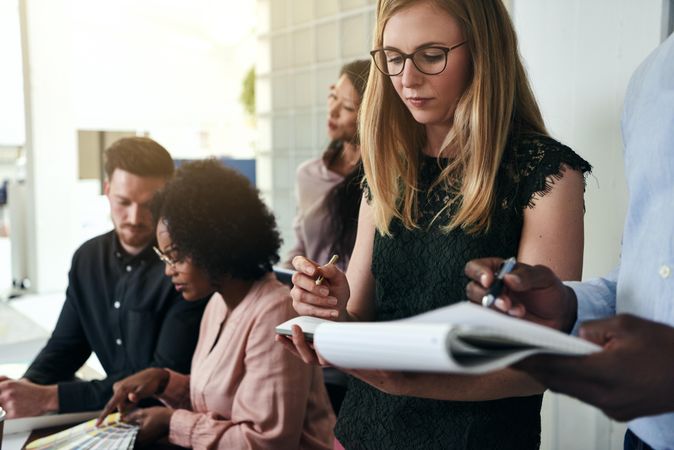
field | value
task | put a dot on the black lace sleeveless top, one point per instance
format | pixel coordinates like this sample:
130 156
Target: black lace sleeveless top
419 270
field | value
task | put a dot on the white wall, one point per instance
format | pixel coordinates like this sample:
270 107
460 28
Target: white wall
50 141
171 68
580 55
11 105
164 67
301 46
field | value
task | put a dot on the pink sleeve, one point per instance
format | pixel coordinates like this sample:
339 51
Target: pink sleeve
197 430
177 391
299 248
269 405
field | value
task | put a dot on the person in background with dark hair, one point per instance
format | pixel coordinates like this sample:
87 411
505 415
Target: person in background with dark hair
329 192
217 237
118 303
328 188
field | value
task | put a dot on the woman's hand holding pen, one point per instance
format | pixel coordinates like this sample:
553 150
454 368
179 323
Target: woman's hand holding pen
533 293
326 300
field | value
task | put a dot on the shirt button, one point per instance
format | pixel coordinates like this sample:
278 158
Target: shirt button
118 342
129 268
116 305
665 271
118 255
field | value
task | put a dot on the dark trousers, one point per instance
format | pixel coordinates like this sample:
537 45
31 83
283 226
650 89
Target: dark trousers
336 394
632 442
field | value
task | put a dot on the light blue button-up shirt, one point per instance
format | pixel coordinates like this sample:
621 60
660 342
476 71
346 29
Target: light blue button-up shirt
643 283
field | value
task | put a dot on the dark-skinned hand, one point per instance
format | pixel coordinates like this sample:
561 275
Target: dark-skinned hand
631 377
132 389
532 293
154 424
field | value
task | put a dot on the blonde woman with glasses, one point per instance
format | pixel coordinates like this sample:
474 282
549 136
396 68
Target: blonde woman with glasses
458 165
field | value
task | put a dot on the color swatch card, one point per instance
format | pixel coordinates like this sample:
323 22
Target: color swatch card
112 434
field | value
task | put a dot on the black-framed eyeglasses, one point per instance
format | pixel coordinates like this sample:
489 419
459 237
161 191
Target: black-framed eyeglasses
165 258
430 60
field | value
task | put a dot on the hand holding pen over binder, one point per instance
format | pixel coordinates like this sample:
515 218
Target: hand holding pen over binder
321 278
319 292
533 293
497 286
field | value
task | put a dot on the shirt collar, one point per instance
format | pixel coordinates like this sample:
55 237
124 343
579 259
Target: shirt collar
120 254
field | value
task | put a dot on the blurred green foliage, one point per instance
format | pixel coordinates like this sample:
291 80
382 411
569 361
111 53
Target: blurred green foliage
248 92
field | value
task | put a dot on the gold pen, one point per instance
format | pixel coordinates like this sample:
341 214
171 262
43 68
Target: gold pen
333 260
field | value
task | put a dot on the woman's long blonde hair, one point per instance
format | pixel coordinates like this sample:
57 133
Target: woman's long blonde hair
497 97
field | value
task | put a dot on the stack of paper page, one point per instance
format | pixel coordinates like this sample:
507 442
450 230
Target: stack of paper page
112 434
462 338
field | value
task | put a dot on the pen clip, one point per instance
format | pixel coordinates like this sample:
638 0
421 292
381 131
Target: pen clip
490 297
320 278
507 266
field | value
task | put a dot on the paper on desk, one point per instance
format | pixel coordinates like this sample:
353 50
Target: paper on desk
15 441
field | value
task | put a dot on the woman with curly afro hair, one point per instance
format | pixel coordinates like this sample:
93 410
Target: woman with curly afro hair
217 237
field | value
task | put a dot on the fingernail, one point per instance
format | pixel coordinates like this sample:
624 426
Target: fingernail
500 304
324 291
334 314
515 312
332 301
483 280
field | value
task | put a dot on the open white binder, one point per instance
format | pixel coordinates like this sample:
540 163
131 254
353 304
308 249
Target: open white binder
462 338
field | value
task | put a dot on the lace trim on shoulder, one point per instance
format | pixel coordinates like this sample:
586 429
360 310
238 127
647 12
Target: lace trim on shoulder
534 165
366 191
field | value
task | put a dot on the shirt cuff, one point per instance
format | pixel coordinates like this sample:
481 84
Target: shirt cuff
181 426
588 308
77 396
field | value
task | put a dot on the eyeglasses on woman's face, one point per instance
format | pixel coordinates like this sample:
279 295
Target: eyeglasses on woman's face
165 258
429 60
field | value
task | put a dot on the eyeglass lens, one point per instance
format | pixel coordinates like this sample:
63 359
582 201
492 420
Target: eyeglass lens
430 61
163 257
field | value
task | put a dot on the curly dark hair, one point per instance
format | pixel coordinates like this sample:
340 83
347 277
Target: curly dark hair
216 217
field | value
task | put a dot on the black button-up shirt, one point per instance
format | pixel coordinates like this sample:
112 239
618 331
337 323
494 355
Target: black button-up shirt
124 309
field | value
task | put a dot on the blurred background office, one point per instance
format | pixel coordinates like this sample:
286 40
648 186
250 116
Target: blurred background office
247 80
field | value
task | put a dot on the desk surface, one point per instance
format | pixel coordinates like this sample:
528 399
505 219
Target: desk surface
16 327
21 338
